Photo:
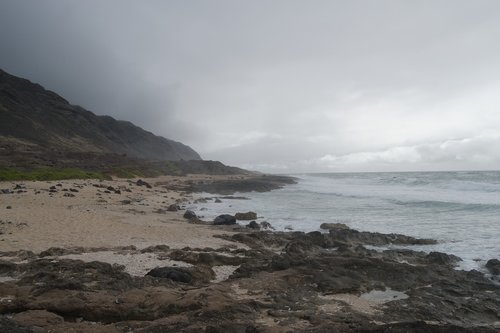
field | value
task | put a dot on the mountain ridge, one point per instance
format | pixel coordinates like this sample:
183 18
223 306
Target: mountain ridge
33 115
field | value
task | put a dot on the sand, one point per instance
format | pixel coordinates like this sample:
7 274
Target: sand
37 219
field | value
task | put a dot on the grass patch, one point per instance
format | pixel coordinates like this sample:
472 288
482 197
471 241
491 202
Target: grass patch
48 174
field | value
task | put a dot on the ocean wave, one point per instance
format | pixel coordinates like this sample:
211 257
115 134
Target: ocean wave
449 206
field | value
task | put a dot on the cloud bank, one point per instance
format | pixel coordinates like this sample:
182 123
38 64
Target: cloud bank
278 85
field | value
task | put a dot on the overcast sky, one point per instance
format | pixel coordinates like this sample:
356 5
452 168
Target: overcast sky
278 86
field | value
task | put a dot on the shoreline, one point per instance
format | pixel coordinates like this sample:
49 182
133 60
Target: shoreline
95 241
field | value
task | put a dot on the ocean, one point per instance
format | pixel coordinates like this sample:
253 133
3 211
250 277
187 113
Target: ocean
459 209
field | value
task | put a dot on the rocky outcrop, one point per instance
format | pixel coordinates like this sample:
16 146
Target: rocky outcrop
279 282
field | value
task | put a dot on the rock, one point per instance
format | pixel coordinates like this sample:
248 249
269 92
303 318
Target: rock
217 200
440 258
69 195
333 226
9 207
5 191
190 215
155 248
246 216
493 265
52 188
171 273
253 225
126 202
173 208
225 219
266 225
73 190
141 182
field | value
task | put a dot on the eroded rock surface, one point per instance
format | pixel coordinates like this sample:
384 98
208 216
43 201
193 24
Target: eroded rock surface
280 282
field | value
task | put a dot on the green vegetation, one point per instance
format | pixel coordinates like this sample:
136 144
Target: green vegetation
48 174
125 172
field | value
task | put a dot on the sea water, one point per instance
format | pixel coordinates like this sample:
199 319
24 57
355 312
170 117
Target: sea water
459 209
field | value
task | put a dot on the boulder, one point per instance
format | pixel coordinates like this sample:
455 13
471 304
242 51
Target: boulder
141 182
246 216
333 226
225 219
493 265
171 273
253 225
172 208
190 215
266 225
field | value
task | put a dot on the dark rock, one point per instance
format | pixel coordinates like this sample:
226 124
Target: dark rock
190 215
173 208
52 188
225 219
493 265
171 273
253 225
141 182
260 183
9 207
266 225
246 216
5 191
355 237
217 200
333 226
440 258
73 190
126 202
70 195
11 326
156 248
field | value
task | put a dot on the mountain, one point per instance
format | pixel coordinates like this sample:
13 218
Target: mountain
31 116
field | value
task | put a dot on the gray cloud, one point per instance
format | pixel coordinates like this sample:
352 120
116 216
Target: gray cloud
274 83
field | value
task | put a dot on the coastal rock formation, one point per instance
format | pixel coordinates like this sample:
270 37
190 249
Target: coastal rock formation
225 219
493 265
246 216
282 282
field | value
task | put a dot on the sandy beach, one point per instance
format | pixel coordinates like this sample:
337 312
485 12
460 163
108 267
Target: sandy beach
38 219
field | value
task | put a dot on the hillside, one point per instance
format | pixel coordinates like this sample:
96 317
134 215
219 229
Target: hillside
35 119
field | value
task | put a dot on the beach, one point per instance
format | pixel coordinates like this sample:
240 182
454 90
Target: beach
120 256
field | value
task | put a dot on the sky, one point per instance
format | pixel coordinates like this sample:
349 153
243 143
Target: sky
278 86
